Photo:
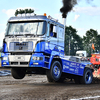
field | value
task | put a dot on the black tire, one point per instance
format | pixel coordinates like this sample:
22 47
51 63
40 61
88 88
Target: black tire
54 74
61 80
18 73
87 76
49 79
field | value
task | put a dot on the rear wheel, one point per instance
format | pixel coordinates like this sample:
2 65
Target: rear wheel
18 73
87 77
54 74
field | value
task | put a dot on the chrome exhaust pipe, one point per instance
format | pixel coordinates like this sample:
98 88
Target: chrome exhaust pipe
64 23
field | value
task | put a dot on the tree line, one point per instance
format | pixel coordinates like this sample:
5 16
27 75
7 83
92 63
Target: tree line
73 42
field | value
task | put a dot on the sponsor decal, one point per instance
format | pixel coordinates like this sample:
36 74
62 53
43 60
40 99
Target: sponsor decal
71 69
76 70
77 65
72 64
65 67
82 67
66 63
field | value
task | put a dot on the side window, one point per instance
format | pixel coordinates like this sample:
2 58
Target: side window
53 31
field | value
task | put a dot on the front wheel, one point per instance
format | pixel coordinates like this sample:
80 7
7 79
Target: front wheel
54 73
18 73
87 77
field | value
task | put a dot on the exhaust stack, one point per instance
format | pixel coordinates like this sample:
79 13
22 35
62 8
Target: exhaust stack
64 23
67 6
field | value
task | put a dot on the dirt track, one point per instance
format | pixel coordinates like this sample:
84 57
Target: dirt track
36 87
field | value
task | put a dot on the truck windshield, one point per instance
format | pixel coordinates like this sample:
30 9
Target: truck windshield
30 28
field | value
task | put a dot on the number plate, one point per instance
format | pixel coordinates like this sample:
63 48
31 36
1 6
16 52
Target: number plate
19 58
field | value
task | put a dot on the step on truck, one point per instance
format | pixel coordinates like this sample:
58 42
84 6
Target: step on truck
35 45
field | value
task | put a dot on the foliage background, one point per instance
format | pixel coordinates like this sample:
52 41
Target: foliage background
73 42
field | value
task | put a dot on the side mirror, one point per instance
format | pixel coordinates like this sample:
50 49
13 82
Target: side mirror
54 29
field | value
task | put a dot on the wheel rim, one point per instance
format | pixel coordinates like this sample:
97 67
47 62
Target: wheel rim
88 77
56 71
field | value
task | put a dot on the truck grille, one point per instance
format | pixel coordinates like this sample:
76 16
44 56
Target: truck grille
14 63
24 46
19 63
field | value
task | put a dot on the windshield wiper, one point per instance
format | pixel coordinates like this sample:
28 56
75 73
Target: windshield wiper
21 35
9 36
29 35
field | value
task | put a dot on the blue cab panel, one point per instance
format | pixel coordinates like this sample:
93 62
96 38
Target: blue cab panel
40 46
47 47
5 50
73 67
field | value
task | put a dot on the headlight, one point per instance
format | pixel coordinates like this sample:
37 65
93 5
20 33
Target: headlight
37 58
34 58
4 58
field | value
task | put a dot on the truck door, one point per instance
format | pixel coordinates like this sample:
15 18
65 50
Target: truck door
51 38
61 39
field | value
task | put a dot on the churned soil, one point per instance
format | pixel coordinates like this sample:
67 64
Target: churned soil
36 87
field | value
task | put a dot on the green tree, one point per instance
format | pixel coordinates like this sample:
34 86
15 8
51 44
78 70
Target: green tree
73 41
26 11
91 37
21 11
16 12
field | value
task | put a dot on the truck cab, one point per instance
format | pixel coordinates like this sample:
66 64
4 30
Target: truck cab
28 43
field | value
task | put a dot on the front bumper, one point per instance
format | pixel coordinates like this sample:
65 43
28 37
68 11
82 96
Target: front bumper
23 60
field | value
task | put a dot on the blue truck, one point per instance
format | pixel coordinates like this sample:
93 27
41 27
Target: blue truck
29 48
